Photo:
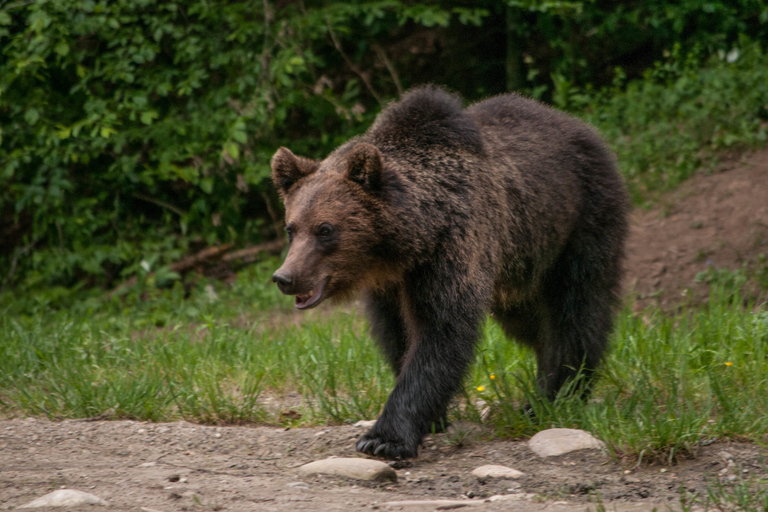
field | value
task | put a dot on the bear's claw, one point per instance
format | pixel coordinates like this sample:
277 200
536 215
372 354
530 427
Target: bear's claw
378 447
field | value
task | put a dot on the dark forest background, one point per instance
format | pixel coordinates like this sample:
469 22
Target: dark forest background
135 133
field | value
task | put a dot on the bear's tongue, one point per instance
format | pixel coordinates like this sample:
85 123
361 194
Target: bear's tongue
301 300
308 300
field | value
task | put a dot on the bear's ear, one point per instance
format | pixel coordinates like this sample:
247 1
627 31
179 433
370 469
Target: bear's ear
364 166
288 168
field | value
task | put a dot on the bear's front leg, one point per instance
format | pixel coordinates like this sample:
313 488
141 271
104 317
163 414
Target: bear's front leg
441 347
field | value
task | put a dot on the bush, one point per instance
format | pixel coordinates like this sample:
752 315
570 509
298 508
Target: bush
133 132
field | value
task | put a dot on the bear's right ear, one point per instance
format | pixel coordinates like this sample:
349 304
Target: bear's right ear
288 168
364 166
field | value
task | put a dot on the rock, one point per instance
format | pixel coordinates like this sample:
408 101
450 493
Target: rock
558 441
492 471
523 496
726 455
432 504
365 423
361 469
65 498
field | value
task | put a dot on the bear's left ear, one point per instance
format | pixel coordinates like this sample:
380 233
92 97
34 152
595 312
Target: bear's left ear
364 166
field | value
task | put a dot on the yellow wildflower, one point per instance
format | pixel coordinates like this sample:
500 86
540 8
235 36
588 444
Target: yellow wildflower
493 376
728 363
481 388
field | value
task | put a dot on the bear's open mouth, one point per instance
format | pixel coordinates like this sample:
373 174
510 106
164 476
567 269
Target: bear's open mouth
313 298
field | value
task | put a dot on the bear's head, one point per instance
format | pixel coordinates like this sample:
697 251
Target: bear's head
330 217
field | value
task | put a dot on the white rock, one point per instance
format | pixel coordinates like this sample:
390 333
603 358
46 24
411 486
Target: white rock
365 423
65 498
558 441
494 471
432 504
361 469
522 496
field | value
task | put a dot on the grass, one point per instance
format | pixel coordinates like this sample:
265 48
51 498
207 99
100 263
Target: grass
735 493
238 355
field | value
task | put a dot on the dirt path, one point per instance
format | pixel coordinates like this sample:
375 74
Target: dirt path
712 221
182 467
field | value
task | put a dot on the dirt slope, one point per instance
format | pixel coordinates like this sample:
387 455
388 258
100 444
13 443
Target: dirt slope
717 221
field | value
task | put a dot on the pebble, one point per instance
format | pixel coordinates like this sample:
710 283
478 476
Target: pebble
433 504
522 496
65 498
493 471
558 441
365 423
726 455
361 469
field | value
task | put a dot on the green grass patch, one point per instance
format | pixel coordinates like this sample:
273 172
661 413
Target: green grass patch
231 356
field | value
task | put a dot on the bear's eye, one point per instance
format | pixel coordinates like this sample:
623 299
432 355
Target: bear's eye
289 232
325 231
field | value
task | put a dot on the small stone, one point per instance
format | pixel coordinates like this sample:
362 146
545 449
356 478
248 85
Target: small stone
365 423
361 469
493 471
431 504
522 496
65 498
299 485
558 441
725 455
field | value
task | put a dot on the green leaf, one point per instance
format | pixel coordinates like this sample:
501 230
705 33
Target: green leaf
62 48
148 116
31 116
231 150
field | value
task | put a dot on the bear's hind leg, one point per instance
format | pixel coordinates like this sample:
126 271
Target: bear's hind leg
577 317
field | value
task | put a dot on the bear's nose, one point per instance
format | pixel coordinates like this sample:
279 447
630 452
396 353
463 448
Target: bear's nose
282 279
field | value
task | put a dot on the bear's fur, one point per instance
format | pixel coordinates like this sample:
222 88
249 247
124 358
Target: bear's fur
440 215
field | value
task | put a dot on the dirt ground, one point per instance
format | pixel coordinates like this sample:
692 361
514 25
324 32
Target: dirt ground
718 221
186 467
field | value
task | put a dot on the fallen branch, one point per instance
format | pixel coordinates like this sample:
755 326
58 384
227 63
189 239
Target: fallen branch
250 252
209 255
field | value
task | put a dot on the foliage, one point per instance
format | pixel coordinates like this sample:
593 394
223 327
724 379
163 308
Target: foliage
680 115
137 131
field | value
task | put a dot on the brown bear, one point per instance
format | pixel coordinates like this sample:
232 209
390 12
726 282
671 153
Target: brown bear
440 215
